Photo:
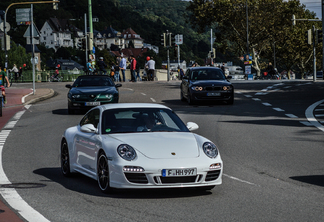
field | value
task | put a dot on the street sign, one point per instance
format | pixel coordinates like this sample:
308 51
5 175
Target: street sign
23 15
178 39
2 26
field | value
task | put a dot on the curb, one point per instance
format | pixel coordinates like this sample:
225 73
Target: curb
44 97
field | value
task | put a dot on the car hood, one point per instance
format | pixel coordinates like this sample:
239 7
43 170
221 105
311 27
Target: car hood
210 82
91 90
161 145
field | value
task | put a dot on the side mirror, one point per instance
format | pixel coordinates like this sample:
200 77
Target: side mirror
118 85
68 86
229 77
192 126
88 128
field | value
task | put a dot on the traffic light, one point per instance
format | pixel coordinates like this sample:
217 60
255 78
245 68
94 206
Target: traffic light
163 40
55 5
319 36
308 37
83 44
171 39
175 52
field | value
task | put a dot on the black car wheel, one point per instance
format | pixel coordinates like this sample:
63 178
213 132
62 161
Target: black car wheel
181 96
65 159
190 100
103 173
231 100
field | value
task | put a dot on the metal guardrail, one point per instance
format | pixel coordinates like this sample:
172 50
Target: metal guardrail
44 76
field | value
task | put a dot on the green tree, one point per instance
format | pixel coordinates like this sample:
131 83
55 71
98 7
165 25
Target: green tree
269 22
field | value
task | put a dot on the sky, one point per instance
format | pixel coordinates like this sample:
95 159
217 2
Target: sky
313 5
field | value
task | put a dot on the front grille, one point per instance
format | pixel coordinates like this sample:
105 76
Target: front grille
136 178
213 88
212 175
169 180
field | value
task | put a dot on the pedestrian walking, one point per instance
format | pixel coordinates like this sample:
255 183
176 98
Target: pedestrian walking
138 70
102 66
3 77
133 68
89 68
122 67
150 66
116 69
15 71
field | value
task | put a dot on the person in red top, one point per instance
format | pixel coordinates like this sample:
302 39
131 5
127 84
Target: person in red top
3 77
133 68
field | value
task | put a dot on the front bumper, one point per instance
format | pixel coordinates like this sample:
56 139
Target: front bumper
152 176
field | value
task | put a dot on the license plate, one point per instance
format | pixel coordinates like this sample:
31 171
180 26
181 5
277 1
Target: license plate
213 94
92 103
179 172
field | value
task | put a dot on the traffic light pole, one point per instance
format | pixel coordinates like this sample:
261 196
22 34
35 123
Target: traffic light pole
314 54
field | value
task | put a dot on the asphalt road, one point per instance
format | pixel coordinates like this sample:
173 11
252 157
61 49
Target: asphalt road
273 158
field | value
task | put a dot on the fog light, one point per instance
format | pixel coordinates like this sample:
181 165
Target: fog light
133 169
215 166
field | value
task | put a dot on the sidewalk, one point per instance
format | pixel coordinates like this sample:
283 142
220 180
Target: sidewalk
17 98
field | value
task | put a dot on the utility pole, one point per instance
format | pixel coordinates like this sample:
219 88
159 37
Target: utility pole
314 54
85 36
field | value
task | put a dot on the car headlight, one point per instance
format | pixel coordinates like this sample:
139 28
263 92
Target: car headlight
197 88
108 96
210 149
75 96
227 88
126 152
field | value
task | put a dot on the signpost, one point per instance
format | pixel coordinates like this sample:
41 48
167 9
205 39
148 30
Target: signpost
23 15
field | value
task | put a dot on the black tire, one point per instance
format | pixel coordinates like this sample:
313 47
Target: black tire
103 173
231 100
65 159
190 100
181 96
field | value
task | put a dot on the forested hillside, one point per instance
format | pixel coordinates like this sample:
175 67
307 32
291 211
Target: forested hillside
148 18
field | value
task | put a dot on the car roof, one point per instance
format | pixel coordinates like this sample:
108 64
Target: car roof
92 76
133 105
203 67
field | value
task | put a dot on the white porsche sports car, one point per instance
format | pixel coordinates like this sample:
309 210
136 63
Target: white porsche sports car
139 145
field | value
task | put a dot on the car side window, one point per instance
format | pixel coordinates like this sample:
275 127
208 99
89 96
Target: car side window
91 117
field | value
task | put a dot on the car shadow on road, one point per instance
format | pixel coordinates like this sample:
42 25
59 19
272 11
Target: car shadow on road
65 112
317 180
82 184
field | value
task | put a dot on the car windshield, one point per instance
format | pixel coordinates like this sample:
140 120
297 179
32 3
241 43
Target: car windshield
131 120
207 74
86 81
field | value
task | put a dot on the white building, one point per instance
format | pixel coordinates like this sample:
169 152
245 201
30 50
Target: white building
56 33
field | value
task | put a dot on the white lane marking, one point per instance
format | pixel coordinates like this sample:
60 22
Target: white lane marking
267 104
248 96
264 90
10 194
319 115
291 115
310 117
143 94
243 181
153 100
319 110
23 98
260 93
256 99
279 110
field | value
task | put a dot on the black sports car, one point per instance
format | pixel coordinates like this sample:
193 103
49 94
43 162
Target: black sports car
206 84
91 90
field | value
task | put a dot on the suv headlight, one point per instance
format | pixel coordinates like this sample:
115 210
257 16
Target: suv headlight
126 152
210 149
197 88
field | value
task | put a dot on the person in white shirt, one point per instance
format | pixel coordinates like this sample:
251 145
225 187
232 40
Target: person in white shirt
122 66
150 66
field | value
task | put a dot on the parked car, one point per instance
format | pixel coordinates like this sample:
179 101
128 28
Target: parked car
235 70
206 84
91 90
140 146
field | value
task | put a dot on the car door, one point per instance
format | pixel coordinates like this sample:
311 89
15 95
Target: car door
87 143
